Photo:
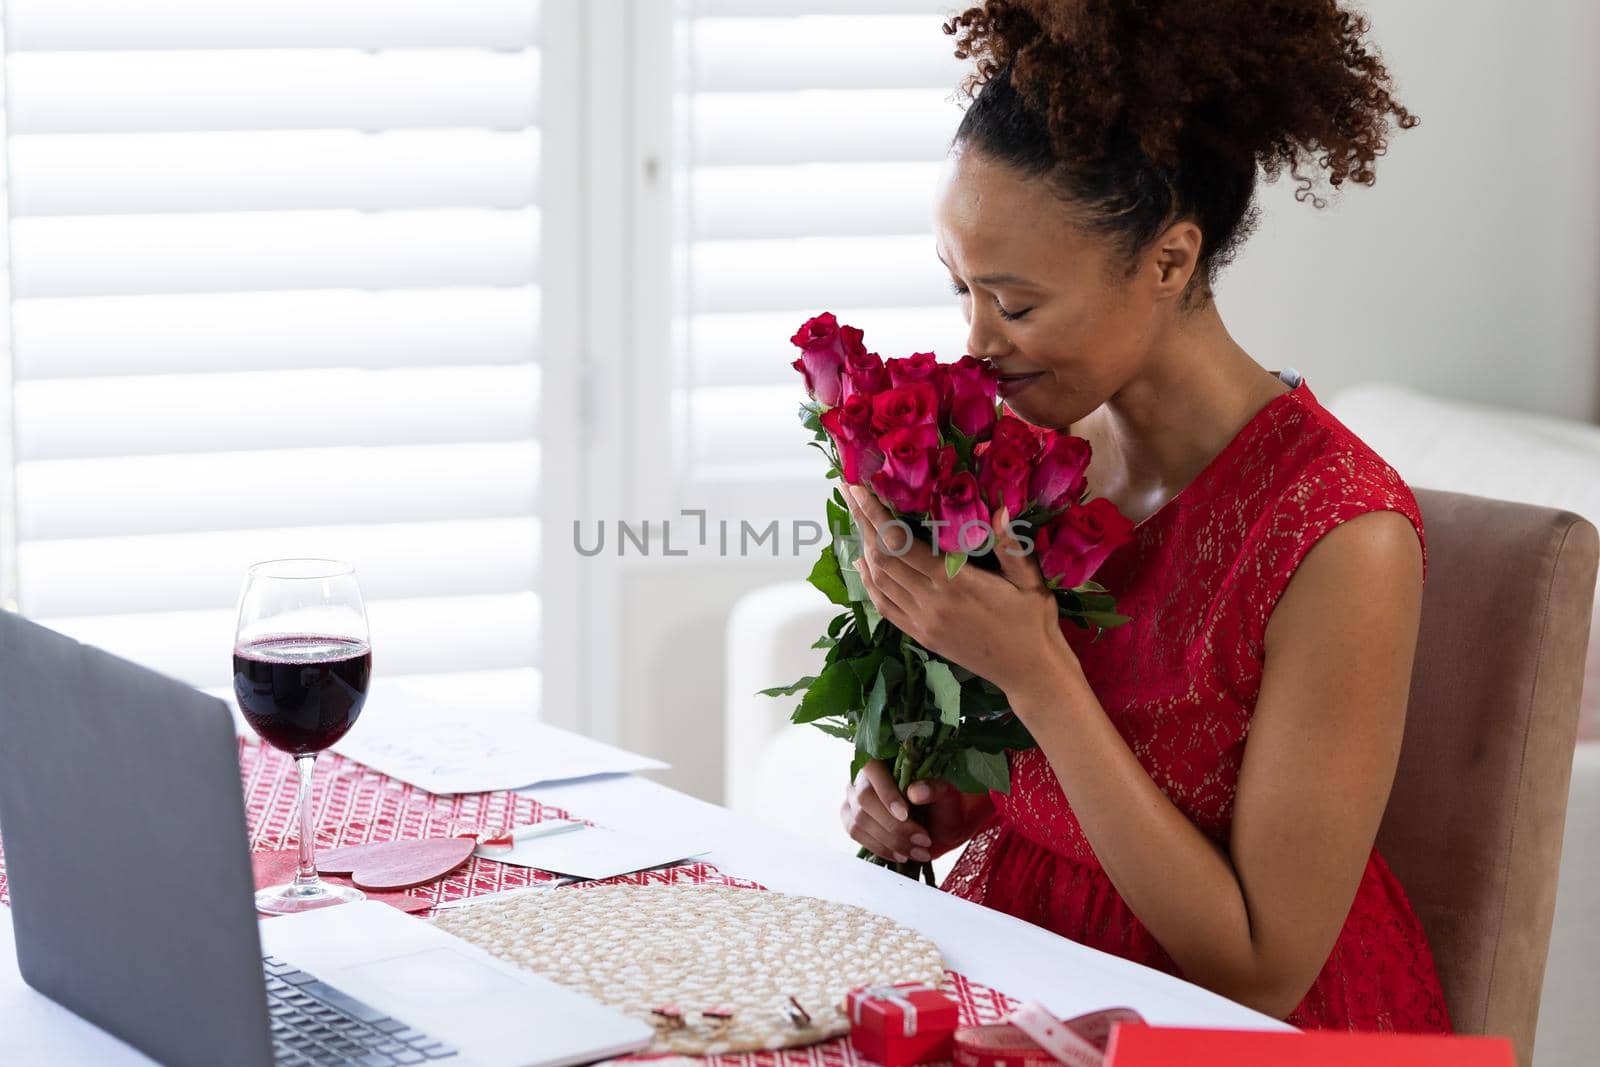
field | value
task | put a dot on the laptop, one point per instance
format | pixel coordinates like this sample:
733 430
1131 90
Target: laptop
125 842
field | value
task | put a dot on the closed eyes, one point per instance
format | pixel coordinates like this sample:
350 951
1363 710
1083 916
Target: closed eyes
1009 316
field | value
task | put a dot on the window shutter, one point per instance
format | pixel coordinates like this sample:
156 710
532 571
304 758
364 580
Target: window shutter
274 291
813 136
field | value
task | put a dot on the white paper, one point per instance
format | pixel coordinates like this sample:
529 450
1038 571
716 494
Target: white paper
595 852
407 735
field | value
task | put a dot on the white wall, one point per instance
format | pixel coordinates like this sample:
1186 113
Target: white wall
1470 270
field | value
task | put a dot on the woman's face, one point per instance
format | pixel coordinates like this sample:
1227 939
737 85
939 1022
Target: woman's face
1051 305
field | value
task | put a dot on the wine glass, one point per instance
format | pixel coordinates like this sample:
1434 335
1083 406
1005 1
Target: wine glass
302 659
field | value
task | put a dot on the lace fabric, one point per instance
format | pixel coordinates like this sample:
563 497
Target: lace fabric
1180 683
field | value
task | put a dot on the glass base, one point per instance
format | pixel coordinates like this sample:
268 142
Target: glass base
290 899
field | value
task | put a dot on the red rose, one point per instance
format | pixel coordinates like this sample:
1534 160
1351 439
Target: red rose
1074 544
1013 430
922 368
958 504
864 374
906 480
823 345
1003 472
1059 475
917 367
850 426
914 404
971 384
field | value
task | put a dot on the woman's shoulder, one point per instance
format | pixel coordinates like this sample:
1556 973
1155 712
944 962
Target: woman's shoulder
1326 476
1334 462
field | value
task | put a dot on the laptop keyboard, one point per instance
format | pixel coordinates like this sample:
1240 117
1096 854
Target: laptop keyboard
315 1024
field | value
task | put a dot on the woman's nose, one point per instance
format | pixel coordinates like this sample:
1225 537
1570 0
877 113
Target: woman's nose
984 340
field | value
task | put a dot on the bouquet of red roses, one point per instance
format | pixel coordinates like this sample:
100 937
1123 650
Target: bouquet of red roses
930 440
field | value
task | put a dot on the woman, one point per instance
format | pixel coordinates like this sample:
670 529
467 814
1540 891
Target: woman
1102 175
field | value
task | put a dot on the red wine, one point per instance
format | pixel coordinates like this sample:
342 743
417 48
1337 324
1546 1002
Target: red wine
301 694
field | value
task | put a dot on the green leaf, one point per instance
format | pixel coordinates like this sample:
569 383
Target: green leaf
920 728
835 692
892 672
980 703
811 416
837 623
1103 602
835 729
824 642
1106 620
870 615
1003 733
866 667
825 576
870 736
953 562
790 689
989 768
861 760
957 776
946 691
1092 587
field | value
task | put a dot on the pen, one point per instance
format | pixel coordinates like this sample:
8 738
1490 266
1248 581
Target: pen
508 838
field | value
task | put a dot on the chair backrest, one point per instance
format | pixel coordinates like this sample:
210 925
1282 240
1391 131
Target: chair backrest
1474 823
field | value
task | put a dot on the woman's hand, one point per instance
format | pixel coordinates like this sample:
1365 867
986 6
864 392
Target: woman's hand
876 816
999 626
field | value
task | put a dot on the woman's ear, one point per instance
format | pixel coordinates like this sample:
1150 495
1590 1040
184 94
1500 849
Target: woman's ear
1176 255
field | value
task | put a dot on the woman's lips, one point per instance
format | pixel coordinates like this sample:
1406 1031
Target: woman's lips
1012 384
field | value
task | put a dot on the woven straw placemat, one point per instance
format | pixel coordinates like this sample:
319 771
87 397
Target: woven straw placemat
637 948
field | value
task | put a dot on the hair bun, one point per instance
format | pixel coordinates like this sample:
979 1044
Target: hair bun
1281 85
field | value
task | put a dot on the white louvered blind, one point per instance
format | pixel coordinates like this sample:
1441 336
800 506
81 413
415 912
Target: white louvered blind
274 292
812 134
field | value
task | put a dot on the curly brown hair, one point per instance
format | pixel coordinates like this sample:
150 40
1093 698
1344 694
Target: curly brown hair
1148 110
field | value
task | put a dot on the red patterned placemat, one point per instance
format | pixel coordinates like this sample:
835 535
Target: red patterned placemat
356 805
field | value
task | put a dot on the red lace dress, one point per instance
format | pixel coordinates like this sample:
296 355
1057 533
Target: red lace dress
1180 681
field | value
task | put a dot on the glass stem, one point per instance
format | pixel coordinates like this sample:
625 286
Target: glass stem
306 877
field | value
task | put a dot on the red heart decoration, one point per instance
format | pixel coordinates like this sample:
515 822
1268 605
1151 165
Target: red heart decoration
276 868
391 865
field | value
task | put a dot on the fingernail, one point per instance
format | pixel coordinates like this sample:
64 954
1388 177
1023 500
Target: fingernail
899 857
918 793
899 811
920 855
921 839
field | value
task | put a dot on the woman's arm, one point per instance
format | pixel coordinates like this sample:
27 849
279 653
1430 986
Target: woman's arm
1256 922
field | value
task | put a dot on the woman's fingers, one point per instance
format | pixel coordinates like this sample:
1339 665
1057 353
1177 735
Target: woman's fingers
876 775
883 809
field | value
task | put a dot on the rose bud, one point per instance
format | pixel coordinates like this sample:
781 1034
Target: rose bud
864 374
850 426
908 455
1003 473
914 404
922 367
903 498
1011 429
971 383
956 503
823 345
1073 545
1059 474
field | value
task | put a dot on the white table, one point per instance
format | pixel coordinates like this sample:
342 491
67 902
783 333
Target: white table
1013 956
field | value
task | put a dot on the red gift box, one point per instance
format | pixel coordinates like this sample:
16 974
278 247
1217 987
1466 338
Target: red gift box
1133 1045
901 1024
